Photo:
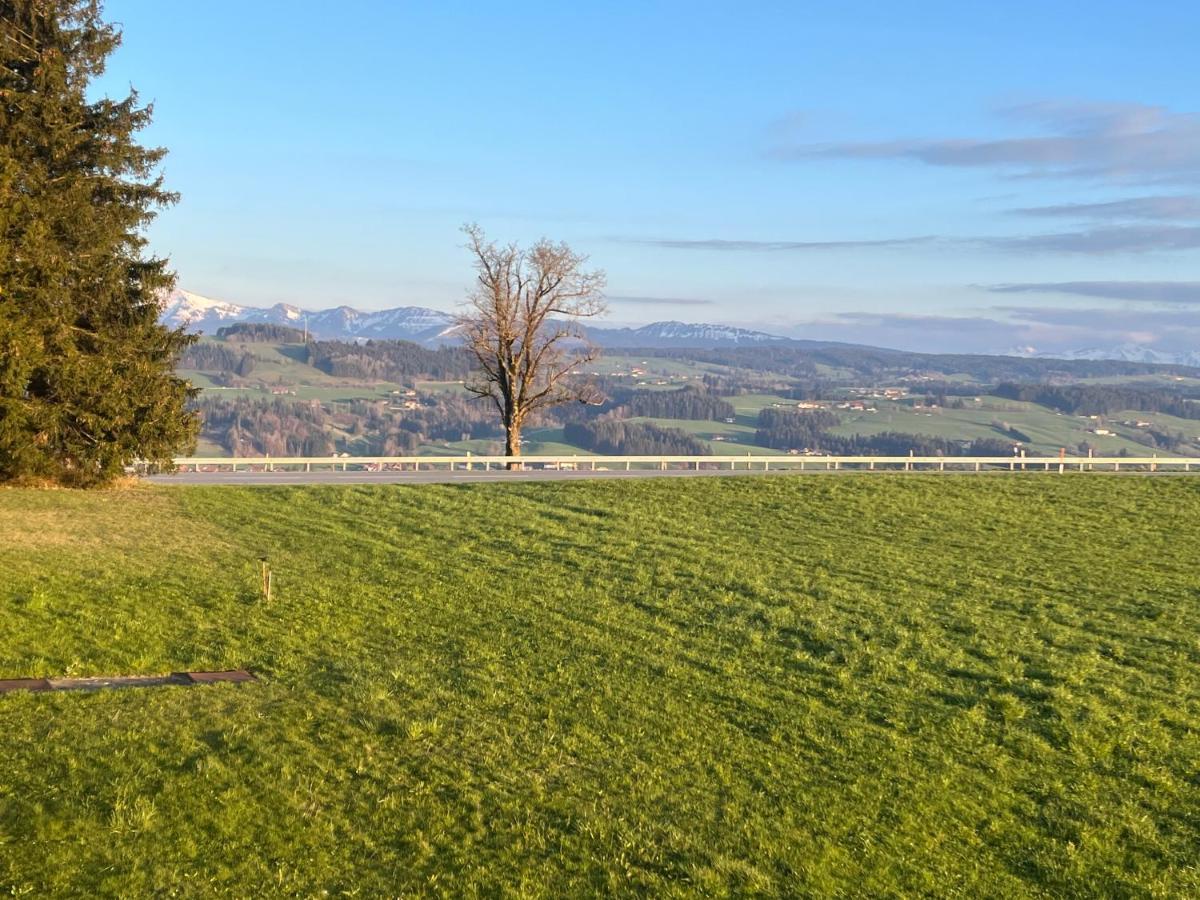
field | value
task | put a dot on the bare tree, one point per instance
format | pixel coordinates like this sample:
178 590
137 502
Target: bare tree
522 324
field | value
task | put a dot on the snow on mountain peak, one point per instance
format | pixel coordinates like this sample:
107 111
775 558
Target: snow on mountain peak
1135 353
428 326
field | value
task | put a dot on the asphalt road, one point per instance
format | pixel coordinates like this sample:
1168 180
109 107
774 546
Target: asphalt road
475 476
438 476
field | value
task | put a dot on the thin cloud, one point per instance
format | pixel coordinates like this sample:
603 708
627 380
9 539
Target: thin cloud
1095 241
1170 208
660 301
912 321
1117 239
934 333
1007 328
1113 318
1108 141
1176 331
1180 292
773 246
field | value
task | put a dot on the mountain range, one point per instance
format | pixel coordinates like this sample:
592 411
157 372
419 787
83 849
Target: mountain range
410 323
432 327
1134 353
427 326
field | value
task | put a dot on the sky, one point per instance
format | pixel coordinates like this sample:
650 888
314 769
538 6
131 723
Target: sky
932 176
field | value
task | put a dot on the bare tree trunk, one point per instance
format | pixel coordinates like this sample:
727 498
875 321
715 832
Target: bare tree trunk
512 442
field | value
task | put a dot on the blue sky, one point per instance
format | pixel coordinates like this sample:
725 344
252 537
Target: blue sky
953 176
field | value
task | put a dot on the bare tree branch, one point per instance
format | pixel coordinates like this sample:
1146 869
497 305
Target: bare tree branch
521 323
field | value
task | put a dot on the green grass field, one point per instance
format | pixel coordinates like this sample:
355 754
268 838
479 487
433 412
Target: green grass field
1048 431
786 686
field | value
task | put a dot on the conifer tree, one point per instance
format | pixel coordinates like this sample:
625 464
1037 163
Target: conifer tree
87 379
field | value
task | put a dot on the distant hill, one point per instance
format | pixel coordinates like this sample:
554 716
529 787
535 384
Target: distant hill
1123 352
664 335
427 326
751 349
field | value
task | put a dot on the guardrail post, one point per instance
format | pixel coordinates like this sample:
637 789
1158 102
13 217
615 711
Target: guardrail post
626 465
976 465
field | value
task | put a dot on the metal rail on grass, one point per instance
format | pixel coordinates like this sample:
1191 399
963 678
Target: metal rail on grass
561 462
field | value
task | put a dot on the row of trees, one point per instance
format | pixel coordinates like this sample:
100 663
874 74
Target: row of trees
614 437
396 361
211 357
261 333
685 403
789 429
896 443
280 426
786 429
1101 399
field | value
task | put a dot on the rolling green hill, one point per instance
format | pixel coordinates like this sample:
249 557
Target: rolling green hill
280 372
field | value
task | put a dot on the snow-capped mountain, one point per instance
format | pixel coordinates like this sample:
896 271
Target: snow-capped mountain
680 334
1135 353
410 323
426 326
202 313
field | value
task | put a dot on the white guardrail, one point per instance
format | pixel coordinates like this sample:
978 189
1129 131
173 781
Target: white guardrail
733 463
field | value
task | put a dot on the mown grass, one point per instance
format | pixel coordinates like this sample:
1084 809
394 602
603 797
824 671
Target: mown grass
856 686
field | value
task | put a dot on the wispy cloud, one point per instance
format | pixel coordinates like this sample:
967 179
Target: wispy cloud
1170 208
915 322
659 301
773 246
1047 328
1117 239
1115 322
1112 239
1184 292
934 333
1126 142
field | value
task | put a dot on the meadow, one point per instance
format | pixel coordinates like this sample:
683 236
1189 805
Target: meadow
772 685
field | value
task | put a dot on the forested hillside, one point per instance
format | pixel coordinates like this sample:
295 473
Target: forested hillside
398 398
